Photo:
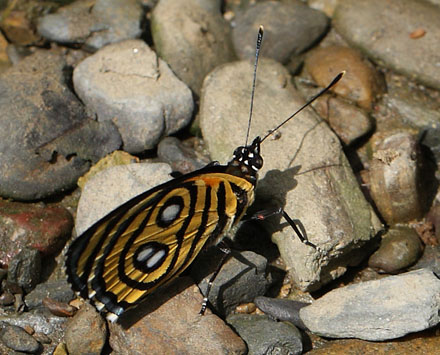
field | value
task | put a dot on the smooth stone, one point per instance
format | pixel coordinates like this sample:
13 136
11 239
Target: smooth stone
395 178
17 339
377 310
179 156
47 140
265 336
382 29
86 332
360 81
243 277
417 106
290 29
95 23
25 269
400 248
347 120
430 259
45 228
192 37
168 322
112 187
282 309
304 170
126 83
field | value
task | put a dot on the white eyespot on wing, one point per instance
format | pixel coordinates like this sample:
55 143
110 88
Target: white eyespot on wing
145 254
155 258
251 155
170 213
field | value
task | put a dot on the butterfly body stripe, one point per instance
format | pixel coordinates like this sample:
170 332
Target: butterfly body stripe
151 239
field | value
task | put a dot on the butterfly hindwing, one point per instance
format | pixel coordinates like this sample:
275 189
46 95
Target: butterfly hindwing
155 236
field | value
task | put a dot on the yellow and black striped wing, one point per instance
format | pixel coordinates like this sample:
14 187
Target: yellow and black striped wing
154 237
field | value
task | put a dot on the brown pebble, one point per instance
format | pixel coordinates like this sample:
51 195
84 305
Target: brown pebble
361 81
395 180
399 249
6 299
59 309
418 33
246 308
28 329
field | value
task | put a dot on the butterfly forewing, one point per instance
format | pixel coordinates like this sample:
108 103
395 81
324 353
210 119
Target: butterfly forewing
152 238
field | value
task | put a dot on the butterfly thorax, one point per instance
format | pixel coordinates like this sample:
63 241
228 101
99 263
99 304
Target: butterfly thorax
247 161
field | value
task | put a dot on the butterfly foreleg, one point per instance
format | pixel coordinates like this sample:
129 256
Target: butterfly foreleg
262 215
226 250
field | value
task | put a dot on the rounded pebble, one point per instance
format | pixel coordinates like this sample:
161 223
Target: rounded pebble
400 248
17 339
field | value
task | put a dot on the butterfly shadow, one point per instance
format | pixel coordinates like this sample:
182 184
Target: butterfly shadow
153 302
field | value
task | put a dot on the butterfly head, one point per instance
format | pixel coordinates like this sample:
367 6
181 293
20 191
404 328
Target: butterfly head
248 158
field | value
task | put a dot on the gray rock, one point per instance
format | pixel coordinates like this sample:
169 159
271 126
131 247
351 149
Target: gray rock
192 37
281 309
58 290
305 170
42 323
290 29
112 187
25 269
128 84
42 145
179 156
430 259
381 29
93 22
417 107
377 310
243 277
265 336
17 339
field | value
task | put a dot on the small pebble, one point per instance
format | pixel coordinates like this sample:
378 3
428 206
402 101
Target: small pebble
25 269
86 332
265 336
395 179
7 299
282 309
17 339
59 309
400 248
246 308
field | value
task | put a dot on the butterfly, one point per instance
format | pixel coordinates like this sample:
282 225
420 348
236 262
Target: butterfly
151 239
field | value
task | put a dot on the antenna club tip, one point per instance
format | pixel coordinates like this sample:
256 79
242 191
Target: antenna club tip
261 29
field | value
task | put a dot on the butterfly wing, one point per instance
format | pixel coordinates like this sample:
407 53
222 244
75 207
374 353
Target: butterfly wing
154 237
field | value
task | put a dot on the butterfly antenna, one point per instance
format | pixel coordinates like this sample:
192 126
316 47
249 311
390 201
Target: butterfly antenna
323 91
257 55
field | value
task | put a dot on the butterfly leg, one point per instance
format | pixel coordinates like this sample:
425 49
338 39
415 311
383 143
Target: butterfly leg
262 215
226 252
